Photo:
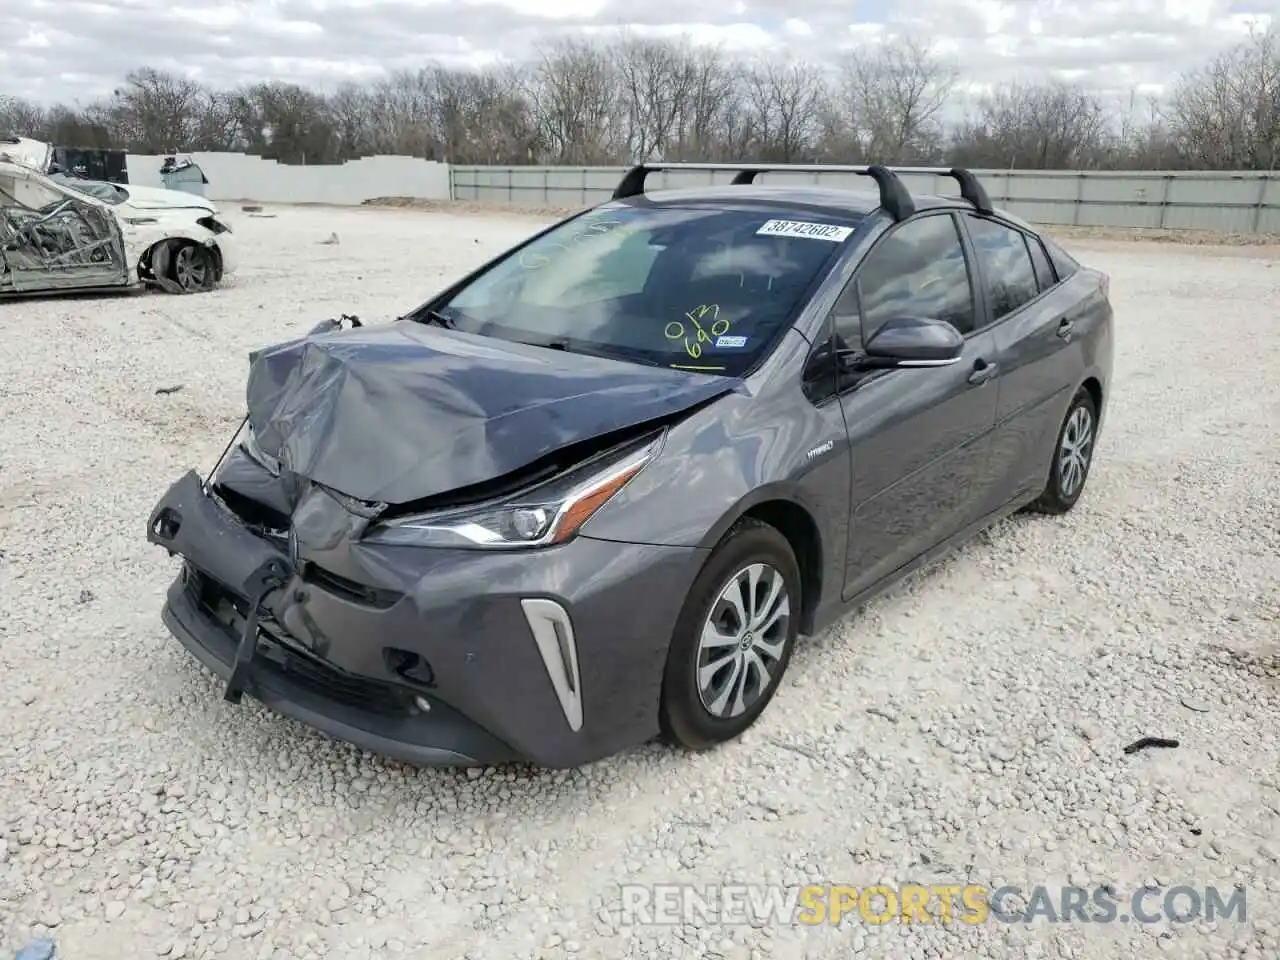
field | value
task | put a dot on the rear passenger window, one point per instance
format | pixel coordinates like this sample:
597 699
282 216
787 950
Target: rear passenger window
1063 264
1044 272
1006 265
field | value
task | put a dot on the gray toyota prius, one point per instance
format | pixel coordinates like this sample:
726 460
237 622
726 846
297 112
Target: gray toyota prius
594 492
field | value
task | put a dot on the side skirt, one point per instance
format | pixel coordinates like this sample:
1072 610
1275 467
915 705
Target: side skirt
831 613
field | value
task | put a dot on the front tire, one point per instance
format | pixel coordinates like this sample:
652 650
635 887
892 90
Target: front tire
1072 456
192 268
733 638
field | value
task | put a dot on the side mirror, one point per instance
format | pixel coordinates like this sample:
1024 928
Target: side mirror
913 342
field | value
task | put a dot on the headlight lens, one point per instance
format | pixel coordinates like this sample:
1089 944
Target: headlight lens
214 224
550 514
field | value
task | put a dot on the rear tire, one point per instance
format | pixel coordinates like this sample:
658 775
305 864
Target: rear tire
733 638
1072 456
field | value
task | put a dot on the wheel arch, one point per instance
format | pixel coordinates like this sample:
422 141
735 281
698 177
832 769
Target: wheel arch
169 245
1093 383
1094 386
796 521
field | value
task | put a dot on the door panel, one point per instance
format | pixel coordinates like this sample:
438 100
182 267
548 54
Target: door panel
1040 371
1040 353
54 240
919 438
920 441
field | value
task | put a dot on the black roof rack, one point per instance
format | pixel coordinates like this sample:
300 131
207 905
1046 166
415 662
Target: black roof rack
970 189
895 198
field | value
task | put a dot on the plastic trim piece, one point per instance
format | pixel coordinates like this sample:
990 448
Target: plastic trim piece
553 633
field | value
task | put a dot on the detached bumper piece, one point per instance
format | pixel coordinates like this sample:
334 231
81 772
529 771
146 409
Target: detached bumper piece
272 575
221 609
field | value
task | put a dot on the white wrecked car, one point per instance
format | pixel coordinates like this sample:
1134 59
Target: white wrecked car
59 233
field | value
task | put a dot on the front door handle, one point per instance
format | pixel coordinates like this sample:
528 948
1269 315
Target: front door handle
1065 327
982 371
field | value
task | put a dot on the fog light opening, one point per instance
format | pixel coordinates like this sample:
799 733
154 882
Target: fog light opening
422 703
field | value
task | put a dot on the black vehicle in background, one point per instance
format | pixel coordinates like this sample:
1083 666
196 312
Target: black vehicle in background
89 163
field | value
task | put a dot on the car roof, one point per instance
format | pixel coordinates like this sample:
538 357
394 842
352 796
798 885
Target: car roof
836 201
845 203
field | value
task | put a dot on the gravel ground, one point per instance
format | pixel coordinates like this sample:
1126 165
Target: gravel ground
967 726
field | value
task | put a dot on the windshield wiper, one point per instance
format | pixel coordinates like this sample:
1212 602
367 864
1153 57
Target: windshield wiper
571 346
433 317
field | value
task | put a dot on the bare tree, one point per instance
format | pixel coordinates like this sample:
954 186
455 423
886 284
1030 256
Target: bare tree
285 122
158 112
616 100
656 77
1227 114
1043 126
22 118
574 93
784 99
709 107
890 95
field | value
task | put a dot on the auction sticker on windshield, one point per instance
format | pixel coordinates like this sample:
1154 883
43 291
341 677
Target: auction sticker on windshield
805 230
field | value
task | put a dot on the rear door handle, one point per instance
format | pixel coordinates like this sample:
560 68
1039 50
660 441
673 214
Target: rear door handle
1065 326
982 371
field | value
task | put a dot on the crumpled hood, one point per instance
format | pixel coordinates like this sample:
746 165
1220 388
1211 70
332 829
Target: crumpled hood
157 198
405 411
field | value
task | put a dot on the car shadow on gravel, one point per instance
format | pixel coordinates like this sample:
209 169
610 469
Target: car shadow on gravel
250 734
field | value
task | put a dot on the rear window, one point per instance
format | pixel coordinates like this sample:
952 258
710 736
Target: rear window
694 288
1063 263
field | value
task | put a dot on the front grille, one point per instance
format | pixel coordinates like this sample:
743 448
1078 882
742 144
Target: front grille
253 513
331 683
305 669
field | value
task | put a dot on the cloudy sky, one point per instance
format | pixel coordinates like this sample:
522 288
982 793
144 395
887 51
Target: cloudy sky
80 49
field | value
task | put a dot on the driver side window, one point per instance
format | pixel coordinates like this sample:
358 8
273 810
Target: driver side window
917 270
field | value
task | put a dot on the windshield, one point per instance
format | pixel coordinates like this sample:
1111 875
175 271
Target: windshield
106 192
694 288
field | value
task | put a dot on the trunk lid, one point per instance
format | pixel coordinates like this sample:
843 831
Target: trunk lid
405 411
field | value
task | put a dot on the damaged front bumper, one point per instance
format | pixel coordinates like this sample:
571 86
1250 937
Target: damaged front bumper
430 656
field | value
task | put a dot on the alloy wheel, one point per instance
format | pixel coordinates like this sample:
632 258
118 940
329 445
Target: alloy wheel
1075 451
743 640
190 268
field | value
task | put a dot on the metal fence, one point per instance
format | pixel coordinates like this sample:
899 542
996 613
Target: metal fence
1245 202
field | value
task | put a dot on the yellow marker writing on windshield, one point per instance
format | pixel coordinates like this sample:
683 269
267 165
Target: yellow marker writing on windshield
705 312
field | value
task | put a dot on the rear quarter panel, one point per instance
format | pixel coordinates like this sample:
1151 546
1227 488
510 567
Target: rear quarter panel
1042 373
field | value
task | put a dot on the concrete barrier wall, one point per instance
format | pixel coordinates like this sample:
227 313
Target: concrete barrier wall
237 176
1245 202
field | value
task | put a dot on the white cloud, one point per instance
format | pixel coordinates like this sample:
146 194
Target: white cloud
81 49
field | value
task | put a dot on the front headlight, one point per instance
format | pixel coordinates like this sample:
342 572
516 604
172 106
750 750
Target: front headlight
546 515
213 223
